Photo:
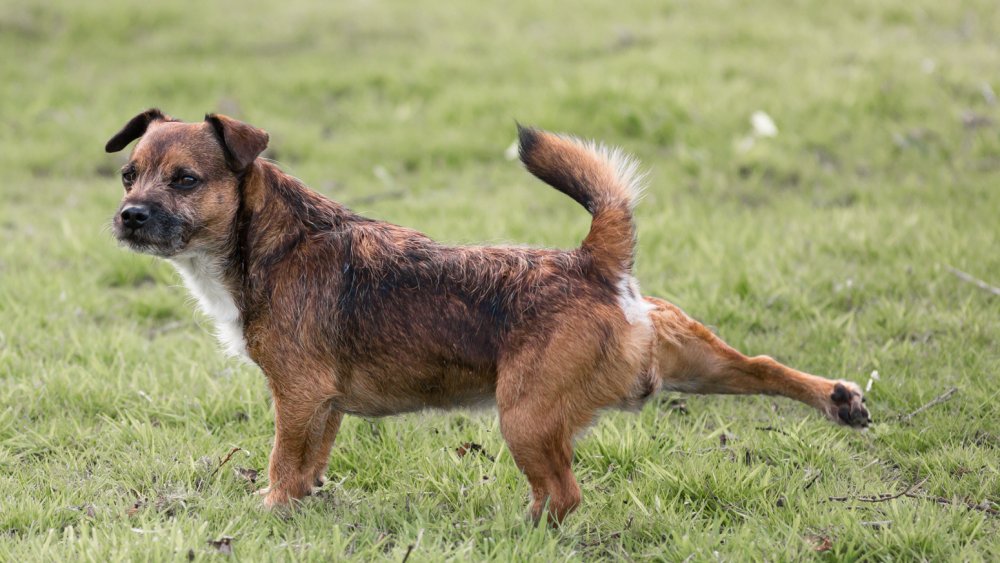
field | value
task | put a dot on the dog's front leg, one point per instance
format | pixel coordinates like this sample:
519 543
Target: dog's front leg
301 423
324 432
693 360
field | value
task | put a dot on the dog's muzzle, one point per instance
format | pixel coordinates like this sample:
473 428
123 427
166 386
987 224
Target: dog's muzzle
148 229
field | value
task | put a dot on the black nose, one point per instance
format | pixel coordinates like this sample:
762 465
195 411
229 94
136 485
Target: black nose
134 216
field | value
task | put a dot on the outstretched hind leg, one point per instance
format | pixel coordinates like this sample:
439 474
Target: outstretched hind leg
693 360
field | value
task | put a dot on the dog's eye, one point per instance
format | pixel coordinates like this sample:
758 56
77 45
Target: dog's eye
128 178
185 182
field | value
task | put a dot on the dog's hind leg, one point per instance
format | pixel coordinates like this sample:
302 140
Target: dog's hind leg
541 443
540 413
691 359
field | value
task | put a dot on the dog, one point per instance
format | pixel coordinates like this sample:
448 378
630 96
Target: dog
349 315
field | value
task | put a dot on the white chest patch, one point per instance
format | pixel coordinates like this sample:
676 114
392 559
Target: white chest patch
635 308
203 279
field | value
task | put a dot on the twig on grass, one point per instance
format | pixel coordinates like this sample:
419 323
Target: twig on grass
226 460
986 507
936 401
773 429
883 497
812 481
973 280
412 546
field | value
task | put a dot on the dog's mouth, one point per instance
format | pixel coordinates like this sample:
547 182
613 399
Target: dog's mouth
138 241
163 239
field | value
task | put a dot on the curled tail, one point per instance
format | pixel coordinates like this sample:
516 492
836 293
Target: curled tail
605 181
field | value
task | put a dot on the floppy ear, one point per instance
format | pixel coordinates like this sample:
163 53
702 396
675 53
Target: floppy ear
134 129
242 142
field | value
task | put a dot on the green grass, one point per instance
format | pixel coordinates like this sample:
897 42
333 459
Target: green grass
826 246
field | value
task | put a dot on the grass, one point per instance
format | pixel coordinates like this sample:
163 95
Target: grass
826 246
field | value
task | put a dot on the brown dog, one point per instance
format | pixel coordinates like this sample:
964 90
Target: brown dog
347 315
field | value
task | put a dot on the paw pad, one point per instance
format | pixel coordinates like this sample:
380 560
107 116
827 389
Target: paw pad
849 405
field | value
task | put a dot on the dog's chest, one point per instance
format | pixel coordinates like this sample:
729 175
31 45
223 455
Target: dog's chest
203 279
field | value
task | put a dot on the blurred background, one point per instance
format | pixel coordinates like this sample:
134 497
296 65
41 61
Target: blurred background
818 172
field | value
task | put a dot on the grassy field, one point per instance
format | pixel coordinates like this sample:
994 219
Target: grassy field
827 246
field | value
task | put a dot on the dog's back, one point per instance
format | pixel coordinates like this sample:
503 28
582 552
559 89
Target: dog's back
406 323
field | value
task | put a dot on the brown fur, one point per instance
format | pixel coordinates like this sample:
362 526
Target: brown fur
346 315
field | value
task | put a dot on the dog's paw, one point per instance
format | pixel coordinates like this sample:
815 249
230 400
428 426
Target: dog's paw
278 500
273 501
846 405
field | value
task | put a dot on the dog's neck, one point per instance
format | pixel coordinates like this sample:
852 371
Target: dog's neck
276 214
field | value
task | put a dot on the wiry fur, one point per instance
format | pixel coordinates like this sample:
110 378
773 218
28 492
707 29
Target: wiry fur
349 315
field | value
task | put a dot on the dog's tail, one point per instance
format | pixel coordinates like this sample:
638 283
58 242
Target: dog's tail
605 181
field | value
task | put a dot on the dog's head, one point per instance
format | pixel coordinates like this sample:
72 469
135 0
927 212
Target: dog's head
182 181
